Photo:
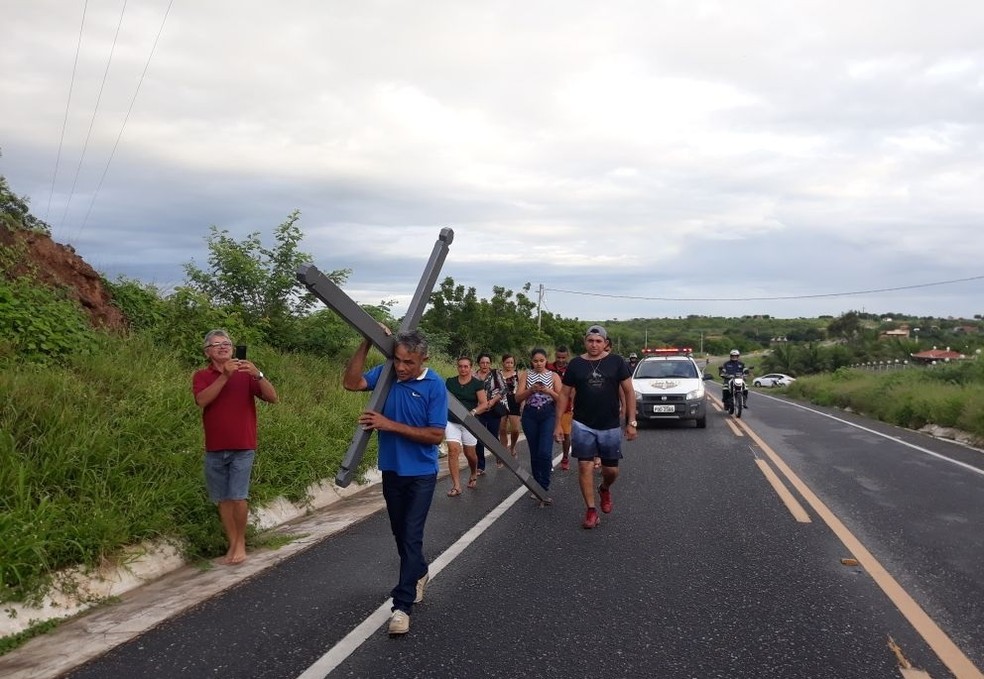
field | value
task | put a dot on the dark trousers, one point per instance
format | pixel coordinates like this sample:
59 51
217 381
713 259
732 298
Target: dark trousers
491 422
408 499
538 427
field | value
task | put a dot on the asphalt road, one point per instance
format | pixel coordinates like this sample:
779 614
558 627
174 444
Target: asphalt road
701 571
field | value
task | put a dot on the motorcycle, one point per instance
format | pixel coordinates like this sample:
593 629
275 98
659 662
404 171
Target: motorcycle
735 393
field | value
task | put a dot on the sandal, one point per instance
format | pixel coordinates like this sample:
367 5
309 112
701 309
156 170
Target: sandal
454 492
472 483
500 465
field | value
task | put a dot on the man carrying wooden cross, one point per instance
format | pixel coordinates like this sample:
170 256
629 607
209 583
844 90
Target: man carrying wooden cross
410 427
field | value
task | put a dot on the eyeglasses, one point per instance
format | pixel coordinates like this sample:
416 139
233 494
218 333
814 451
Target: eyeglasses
218 344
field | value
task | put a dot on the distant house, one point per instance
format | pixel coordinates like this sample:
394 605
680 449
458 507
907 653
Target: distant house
901 332
934 355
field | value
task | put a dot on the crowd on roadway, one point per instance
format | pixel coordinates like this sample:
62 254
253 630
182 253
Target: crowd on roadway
540 399
584 403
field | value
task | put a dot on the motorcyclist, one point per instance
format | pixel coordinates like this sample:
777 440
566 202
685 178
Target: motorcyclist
633 360
734 366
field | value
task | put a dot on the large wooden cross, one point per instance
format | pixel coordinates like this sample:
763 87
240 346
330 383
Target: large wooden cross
324 289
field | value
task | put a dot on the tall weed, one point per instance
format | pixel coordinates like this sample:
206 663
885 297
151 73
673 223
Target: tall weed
948 396
105 450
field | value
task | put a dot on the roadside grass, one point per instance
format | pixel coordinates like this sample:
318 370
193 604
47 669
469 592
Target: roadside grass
944 395
9 643
105 450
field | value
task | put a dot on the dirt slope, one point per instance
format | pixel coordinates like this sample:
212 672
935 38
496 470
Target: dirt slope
56 265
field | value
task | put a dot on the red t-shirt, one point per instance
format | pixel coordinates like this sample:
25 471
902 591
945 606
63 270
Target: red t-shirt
561 371
229 420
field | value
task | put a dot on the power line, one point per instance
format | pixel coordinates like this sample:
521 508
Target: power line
766 299
126 118
92 120
68 104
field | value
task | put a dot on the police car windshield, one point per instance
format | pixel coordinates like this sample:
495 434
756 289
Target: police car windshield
666 369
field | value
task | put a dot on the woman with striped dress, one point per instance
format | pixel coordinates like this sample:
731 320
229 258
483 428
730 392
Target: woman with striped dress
538 390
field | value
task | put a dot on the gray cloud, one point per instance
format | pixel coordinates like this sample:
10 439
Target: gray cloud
646 149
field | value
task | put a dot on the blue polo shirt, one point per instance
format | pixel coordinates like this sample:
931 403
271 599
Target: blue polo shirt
421 402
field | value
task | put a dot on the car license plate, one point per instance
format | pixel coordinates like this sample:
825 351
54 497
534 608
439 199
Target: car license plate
664 409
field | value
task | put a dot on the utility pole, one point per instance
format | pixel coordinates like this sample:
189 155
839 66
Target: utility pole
539 307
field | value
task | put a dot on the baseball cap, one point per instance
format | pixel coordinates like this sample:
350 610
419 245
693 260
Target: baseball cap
597 330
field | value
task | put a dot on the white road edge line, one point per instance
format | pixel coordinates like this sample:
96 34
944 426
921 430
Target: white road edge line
338 653
883 435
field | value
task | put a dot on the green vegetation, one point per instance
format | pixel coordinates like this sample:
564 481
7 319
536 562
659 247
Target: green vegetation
801 346
104 450
15 213
8 644
950 395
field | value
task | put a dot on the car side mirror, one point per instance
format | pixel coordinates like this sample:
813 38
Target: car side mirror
708 376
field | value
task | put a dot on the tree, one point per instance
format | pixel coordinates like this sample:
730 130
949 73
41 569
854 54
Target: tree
847 325
15 213
257 283
463 325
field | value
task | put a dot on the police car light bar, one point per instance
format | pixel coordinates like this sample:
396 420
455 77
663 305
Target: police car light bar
667 351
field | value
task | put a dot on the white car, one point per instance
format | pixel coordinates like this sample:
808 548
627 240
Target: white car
773 380
670 387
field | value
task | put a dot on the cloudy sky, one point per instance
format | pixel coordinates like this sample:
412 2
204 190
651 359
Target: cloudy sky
639 158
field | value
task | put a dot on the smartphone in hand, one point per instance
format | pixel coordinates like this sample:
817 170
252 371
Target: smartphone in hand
241 352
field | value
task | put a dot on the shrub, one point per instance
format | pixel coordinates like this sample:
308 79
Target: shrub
141 304
40 324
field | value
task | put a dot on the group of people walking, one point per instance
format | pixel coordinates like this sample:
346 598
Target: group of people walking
580 403
541 397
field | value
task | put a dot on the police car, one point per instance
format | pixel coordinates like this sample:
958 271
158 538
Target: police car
669 385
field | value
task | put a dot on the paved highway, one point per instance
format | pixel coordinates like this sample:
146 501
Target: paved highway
798 542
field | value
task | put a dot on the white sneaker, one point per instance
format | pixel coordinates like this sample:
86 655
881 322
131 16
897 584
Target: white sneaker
399 623
421 585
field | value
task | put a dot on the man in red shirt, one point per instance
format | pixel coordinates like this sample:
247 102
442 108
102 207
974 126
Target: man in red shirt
226 391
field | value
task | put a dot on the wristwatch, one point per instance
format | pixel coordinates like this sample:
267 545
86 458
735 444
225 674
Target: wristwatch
259 376
633 423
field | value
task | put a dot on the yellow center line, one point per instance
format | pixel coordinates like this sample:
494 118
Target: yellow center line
949 653
792 504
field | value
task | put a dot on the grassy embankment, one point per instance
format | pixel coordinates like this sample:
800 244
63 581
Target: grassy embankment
105 451
949 395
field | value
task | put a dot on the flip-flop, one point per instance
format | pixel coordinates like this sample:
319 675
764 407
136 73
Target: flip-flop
473 482
454 492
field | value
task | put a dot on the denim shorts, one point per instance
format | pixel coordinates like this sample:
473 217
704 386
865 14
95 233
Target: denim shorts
227 474
587 443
